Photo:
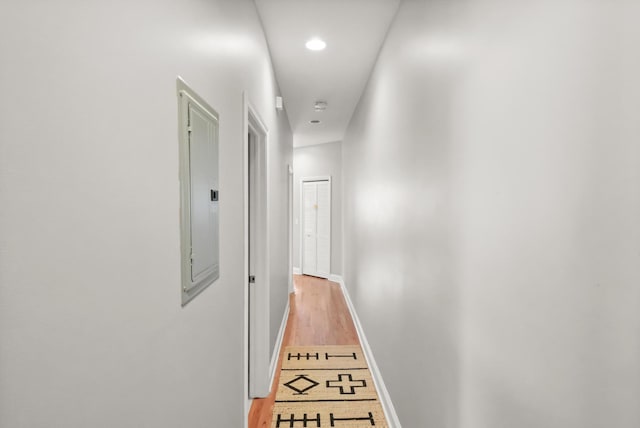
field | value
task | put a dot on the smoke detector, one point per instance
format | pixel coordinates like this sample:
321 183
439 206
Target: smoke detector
320 106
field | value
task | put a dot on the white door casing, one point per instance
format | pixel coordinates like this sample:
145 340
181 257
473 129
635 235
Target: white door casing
258 355
290 225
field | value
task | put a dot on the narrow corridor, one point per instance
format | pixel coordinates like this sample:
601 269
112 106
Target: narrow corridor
483 210
318 315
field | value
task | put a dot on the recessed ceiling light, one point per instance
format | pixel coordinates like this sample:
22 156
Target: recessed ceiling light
316 44
314 121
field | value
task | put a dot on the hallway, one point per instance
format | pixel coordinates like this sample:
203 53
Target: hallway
483 164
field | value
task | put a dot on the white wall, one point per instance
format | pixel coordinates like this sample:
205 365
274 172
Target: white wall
492 241
280 157
91 328
314 161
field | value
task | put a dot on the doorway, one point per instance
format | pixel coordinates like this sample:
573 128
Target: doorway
316 226
256 254
290 225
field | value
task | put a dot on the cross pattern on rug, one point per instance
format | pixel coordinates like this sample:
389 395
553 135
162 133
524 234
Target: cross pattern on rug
345 381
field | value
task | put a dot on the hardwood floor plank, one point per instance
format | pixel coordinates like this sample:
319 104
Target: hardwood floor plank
318 315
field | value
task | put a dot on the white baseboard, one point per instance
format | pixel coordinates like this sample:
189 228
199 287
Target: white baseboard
336 278
385 398
297 271
278 345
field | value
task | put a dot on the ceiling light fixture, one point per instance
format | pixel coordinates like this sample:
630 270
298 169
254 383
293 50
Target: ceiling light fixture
316 44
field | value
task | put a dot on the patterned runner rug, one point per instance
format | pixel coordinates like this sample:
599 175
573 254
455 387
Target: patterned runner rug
326 386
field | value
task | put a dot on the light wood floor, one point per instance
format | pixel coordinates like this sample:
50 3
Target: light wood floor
318 315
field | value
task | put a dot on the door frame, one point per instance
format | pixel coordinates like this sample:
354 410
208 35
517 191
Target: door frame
256 331
290 224
301 235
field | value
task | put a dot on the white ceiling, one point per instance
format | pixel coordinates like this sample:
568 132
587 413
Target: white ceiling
353 30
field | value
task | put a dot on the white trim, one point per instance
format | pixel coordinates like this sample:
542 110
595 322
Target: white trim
279 339
385 398
259 351
245 269
316 178
290 191
247 408
301 233
297 271
335 278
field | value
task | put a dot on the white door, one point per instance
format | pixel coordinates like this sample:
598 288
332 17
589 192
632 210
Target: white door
259 354
316 223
